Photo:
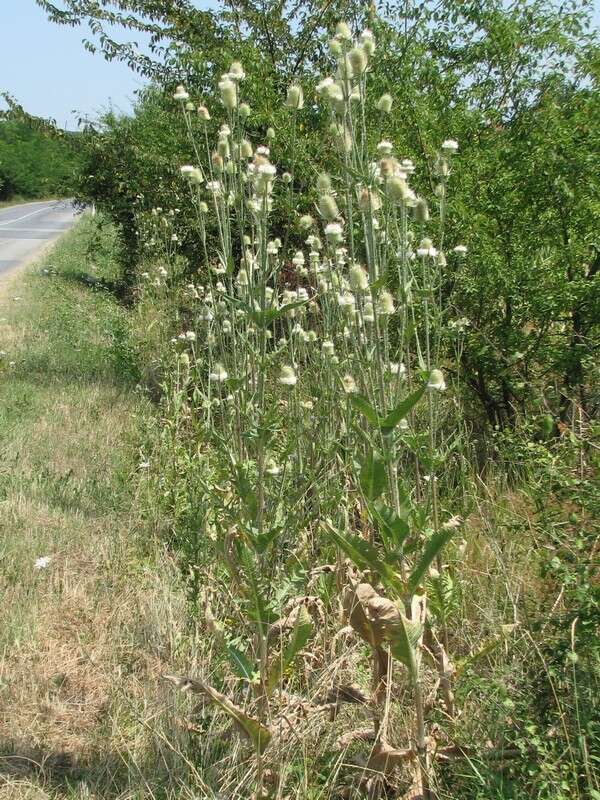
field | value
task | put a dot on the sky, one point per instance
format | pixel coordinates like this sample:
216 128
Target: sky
47 69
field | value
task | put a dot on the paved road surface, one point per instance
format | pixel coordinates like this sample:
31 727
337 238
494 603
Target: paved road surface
26 229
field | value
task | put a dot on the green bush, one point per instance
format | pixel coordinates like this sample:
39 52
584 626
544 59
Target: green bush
33 163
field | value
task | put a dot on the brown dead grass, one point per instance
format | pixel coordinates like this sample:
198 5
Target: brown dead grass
86 639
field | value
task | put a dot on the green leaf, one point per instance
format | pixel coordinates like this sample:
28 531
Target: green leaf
365 556
403 408
241 664
393 529
245 491
361 404
372 476
255 593
262 541
432 548
300 635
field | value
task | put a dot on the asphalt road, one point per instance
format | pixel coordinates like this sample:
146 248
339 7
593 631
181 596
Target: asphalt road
26 229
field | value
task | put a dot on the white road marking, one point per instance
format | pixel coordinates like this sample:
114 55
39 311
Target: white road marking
36 230
31 213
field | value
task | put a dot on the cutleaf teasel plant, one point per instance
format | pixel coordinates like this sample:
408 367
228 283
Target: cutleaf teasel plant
310 379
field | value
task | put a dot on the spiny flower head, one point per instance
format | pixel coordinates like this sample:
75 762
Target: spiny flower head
287 376
218 374
181 94
295 97
436 380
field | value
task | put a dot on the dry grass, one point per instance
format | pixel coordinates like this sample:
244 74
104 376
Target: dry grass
85 639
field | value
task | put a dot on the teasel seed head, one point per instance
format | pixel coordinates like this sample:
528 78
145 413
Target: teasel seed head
328 207
385 103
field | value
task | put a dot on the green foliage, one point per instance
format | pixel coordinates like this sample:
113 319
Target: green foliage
283 399
35 160
518 87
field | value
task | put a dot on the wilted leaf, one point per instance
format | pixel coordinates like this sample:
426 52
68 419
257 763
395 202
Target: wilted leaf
259 734
378 620
385 758
300 635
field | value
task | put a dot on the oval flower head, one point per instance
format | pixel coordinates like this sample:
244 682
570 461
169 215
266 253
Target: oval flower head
236 71
436 380
349 384
460 249
359 280
385 103
42 562
219 374
229 96
333 232
287 376
368 41
385 303
271 467
181 94
295 97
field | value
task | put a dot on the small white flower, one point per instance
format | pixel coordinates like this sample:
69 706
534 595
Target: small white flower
397 368
324 85
190 336
333 231
328 348
298 259
42 562
461 249
385 148
450 146
347 302
269 170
